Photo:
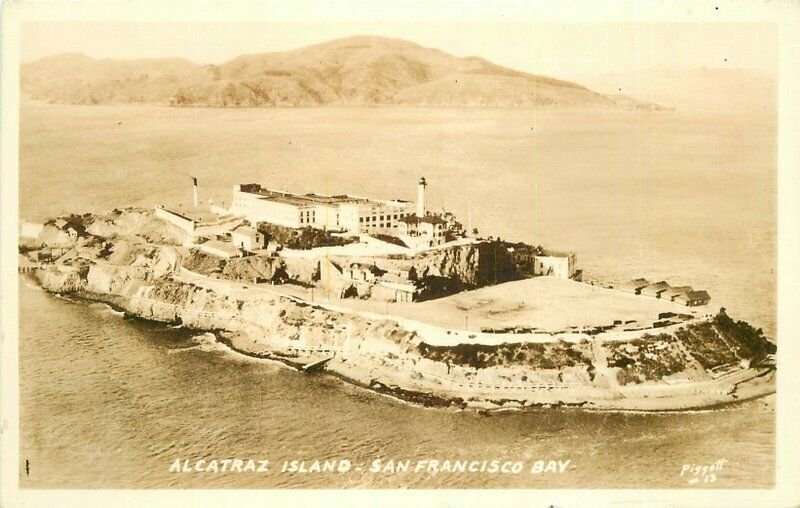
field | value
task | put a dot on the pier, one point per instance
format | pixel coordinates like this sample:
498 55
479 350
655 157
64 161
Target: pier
26 265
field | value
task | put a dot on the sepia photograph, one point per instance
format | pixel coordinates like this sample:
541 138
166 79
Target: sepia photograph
383 254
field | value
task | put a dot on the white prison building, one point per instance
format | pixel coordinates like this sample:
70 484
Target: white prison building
339 212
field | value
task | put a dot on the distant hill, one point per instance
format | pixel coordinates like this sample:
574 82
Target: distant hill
351 71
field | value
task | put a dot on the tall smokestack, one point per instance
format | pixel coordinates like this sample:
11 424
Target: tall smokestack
421 197
194 189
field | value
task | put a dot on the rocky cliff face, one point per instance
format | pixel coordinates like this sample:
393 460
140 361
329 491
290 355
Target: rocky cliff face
476 265
380 353
457 268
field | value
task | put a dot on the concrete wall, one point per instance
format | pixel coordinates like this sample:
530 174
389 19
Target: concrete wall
348 217
327 216
176 219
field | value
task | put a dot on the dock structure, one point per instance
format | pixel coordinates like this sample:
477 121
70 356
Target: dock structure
316 366
26 265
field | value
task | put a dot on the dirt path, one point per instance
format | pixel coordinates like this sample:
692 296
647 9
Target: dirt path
601 364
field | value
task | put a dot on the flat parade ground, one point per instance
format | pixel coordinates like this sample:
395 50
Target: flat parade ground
547 303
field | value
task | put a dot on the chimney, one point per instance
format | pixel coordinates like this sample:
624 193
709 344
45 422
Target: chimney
194 189
421 197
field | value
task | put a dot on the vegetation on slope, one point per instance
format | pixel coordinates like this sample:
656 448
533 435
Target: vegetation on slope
390 239
302 238
203 263
749 342
702 341
536 356
649 358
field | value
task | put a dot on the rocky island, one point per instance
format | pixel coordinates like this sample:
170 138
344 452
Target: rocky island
388 296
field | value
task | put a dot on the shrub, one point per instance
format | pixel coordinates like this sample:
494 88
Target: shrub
645 358
705 346
302 238
390 239
751 341
538 356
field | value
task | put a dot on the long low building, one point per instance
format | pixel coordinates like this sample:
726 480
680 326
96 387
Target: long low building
337 212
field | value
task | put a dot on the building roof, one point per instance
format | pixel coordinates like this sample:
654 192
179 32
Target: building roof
697 295
635 284
327 264
221 246
173 212
287 199
246 231
309 199
556 254
654 289
395 278
430 219
60 223
675 291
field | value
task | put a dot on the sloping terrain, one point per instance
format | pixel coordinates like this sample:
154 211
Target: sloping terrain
351 71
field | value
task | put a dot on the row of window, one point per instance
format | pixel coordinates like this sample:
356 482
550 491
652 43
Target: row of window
387 217
381 225
307 216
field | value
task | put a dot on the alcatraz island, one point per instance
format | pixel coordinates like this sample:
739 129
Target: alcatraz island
388 295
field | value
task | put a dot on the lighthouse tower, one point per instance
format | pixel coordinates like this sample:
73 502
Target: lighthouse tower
421 197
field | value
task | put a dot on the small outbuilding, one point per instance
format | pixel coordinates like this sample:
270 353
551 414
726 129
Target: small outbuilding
673 292
654 290
635 286
693 298
364 272
556 264
431 228
247 238
397 287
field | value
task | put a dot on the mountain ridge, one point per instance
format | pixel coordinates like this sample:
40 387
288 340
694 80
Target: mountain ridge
358 70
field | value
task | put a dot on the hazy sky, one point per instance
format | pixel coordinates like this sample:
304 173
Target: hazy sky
551 49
